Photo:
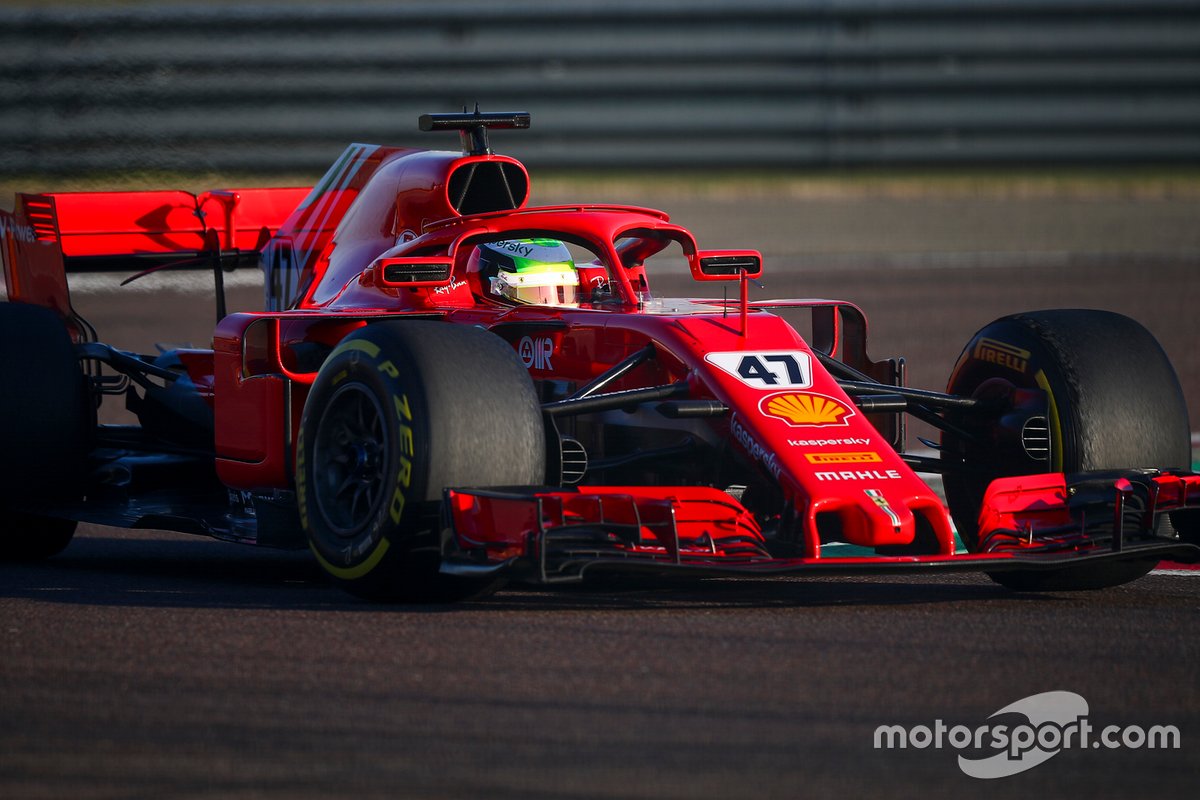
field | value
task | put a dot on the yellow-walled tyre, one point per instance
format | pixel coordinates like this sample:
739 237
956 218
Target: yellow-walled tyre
1113 403
398 412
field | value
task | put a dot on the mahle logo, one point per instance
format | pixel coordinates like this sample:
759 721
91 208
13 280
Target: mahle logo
1055 721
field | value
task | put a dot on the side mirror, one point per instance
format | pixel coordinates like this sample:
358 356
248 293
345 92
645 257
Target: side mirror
413 272
726 265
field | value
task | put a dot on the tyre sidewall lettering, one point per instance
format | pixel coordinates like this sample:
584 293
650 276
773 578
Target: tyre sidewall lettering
1112 401
405 452
362 361
1032 371
432 390
1037 372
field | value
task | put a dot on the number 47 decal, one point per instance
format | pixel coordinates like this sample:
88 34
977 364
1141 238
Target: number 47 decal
768 369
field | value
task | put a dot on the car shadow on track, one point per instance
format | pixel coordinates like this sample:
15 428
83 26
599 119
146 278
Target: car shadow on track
169 570
682 593
179 571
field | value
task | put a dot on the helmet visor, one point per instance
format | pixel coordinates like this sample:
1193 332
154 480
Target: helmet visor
545 285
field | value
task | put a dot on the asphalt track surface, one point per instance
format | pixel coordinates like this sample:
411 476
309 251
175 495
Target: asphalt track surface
147 665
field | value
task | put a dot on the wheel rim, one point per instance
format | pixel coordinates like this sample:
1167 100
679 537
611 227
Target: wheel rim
350 460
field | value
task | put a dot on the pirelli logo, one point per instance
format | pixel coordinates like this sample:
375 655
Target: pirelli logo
860 457
1002 354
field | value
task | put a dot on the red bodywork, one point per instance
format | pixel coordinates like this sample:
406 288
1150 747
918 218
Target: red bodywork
838 470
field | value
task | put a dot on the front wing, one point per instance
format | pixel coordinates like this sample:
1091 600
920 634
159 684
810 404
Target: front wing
1030 523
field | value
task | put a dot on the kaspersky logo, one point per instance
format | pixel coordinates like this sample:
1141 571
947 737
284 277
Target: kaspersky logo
806 409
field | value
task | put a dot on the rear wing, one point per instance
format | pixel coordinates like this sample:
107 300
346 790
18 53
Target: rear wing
48 235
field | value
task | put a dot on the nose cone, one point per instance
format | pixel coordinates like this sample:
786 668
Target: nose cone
878 517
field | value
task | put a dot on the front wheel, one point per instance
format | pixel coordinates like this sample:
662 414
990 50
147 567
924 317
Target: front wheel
1112 402
398 412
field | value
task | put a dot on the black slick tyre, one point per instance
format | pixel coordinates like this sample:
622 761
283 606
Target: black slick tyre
1113 403
398 412
29 537
45 427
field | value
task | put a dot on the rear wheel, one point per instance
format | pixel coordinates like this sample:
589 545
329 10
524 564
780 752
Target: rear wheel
1113 402
28 537
45 427
398 412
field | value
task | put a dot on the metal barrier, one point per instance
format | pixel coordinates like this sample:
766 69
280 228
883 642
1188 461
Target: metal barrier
670 83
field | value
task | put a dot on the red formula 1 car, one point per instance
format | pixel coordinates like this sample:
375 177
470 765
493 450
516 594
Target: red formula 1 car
448 388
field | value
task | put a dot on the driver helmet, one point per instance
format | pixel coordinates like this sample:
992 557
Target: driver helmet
530 271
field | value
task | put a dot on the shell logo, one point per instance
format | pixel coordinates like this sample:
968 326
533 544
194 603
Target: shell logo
806 409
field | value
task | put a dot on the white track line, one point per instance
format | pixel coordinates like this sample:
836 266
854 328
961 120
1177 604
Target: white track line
184 281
